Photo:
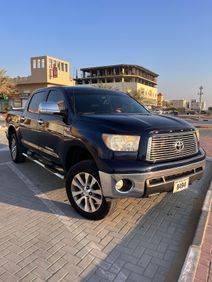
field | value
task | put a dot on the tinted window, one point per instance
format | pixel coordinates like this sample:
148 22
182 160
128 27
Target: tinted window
57 97
107 102
37 98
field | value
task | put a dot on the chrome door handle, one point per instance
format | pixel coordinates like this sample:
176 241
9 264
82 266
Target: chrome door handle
40 121
22 119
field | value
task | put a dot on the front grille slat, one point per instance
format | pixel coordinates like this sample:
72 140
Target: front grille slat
171 153
158 150
169 141
163 147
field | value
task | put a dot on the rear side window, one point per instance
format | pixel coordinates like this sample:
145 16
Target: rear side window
37 98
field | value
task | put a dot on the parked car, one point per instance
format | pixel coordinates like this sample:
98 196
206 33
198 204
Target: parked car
157 111
105 144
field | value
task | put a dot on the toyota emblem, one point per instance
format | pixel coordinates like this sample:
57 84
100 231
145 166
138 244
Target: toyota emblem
179 145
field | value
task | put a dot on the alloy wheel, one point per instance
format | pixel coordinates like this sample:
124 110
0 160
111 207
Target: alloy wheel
86 192
13 148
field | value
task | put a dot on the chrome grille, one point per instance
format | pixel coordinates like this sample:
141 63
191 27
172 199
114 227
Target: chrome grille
168 146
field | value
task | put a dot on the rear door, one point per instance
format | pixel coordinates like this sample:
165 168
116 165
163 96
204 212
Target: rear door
29 120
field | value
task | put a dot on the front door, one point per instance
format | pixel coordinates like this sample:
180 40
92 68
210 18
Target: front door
51 129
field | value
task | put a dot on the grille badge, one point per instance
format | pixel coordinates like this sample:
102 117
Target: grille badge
179 145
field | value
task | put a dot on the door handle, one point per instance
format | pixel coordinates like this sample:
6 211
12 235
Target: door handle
22 119
40 121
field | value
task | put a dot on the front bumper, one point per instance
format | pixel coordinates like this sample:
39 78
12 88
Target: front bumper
151 182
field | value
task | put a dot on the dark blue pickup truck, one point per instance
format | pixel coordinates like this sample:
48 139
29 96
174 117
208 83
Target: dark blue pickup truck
106 146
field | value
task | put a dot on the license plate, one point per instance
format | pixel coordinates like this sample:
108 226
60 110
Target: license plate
180 185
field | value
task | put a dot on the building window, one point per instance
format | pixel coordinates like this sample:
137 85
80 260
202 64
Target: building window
58 65
62 66
38 63
42 63
66 67
49 63
34 64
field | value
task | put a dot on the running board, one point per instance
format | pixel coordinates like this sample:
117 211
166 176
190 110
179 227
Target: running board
44 166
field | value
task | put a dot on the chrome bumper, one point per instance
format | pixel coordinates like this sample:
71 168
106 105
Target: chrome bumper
148 183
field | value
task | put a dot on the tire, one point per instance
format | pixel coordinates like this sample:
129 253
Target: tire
15 149
85 193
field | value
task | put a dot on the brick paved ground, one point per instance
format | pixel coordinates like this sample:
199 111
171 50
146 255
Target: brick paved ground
206 143
206 140
204 268
43 238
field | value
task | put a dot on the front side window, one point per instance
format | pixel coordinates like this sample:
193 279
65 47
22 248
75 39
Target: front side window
57 97
35 101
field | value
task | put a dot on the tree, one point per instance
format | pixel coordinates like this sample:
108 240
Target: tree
7 85
137 95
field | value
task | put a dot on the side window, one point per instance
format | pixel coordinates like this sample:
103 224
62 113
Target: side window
35 101
57 97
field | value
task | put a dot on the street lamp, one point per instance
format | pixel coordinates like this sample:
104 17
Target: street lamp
200 93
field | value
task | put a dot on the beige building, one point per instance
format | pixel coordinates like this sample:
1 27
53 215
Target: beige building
179 104
133 79
195 105
46 71
160 99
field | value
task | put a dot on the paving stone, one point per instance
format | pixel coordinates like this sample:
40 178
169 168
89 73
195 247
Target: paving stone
138 278
150 270
42 237
144 261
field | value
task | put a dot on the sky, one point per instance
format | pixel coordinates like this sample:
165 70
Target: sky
171 37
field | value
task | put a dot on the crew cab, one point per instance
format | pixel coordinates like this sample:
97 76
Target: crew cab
105 145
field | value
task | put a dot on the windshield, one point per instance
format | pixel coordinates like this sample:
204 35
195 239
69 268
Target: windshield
106 102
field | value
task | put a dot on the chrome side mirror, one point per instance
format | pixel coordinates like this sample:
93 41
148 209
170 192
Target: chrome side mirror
50 108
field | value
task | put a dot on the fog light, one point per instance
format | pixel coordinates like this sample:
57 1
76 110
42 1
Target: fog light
124 185
119 184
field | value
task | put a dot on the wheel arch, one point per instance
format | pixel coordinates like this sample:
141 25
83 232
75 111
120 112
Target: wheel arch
77 152
11 130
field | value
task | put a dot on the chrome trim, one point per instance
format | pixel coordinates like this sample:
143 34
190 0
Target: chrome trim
178 178
39 148
42 165
162 146
49 108
108 180
149 145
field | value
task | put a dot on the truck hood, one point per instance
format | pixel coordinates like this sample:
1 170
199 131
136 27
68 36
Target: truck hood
134 123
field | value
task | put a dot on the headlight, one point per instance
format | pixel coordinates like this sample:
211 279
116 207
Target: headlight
197 134
121 142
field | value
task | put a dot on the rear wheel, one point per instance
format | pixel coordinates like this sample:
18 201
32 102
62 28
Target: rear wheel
85 193
15 149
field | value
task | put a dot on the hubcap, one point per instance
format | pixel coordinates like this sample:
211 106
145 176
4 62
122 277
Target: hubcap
13 148
86 192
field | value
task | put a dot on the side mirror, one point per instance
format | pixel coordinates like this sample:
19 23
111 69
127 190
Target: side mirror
51 108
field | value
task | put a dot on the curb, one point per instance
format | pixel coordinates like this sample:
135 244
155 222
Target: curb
208 126
191 261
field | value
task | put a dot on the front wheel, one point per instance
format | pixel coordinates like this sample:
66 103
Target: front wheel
85 193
